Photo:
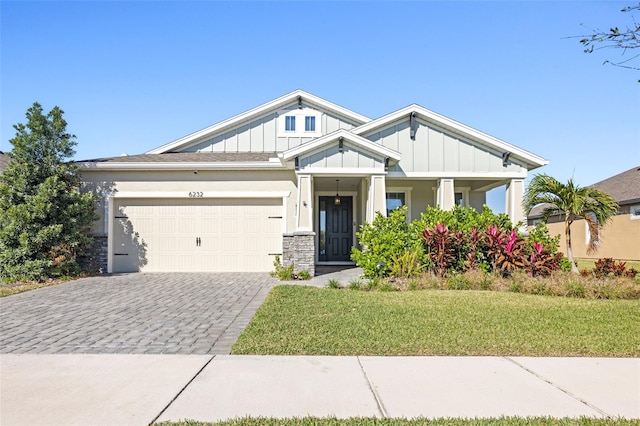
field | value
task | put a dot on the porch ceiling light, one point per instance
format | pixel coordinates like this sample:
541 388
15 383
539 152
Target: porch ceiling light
336 200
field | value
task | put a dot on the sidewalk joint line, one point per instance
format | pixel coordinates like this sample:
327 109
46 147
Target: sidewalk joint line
182 390
372 388
570 394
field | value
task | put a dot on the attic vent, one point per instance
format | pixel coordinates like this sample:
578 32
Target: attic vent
412 126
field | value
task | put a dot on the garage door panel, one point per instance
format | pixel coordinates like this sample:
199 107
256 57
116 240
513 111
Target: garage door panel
163 235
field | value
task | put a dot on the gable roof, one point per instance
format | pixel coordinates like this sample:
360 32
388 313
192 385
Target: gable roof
4 161
257 112
623 187
533 161
356 140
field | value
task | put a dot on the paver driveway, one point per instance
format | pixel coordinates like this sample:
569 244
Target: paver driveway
170 313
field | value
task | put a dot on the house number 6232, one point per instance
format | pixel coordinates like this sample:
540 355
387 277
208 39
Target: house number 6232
196 194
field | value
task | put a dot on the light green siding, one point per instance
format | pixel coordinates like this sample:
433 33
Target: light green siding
332 158
262 134
437 150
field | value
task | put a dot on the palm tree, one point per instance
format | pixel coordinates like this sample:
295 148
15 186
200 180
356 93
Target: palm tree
575 202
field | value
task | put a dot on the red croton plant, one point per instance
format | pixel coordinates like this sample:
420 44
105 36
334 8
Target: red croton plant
502 251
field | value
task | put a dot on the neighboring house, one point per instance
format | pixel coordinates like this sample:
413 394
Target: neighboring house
4 161
619 238
294 177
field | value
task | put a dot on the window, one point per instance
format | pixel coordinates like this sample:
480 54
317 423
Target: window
309 124
305 122
395 200
635 212
290 123
459 199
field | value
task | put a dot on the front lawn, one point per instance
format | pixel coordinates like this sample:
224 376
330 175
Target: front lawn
297 320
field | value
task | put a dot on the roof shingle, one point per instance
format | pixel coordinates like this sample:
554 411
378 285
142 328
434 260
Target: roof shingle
190 157
4 161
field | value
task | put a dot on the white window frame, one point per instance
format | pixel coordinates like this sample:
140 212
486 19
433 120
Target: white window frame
406 190
300 117
634 212
292 121
315 120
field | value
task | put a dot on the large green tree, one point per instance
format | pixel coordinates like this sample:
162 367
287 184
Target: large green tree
574 202
44 216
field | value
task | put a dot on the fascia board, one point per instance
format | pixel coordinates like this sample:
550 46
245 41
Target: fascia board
359 141
249 165
459 175
455 127
205 194
255 113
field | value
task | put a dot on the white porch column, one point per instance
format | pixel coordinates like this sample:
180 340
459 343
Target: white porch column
513 201
377 197
446 198
304 210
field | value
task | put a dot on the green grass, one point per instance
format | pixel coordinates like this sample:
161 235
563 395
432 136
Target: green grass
371 421
312 321
10 289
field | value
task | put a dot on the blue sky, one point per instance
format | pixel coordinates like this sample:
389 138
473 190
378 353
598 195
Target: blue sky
132 76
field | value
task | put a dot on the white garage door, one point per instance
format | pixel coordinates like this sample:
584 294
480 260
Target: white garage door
196 235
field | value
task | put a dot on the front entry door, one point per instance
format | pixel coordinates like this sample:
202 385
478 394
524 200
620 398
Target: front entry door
336 220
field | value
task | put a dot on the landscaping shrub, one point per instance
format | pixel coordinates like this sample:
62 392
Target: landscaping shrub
442 248
608 267
559 283
382 241
284 273
334 284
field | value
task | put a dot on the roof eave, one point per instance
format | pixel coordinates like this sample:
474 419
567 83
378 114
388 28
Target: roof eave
256 112
325 140
178 166
531 160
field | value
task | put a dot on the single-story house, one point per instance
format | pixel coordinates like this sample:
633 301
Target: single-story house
295 178
4 161
619 238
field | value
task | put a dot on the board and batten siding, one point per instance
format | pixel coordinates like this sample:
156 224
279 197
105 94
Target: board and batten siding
263 135
349 158
435 150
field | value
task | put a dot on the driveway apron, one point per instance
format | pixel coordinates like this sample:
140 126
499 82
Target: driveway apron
144 313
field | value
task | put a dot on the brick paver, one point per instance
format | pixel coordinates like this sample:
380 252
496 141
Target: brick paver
172 313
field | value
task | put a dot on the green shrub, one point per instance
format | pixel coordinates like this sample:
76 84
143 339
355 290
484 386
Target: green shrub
284 273
333 283
458 282
387 286
383 240
575 289
540 234
408 264
304 275
355 284
461 219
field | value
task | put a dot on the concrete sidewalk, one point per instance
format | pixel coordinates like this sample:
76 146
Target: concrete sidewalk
139 389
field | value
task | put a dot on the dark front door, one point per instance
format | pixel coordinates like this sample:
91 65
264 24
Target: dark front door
336 229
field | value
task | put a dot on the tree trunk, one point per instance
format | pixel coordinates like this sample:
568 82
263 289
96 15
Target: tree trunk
567 233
